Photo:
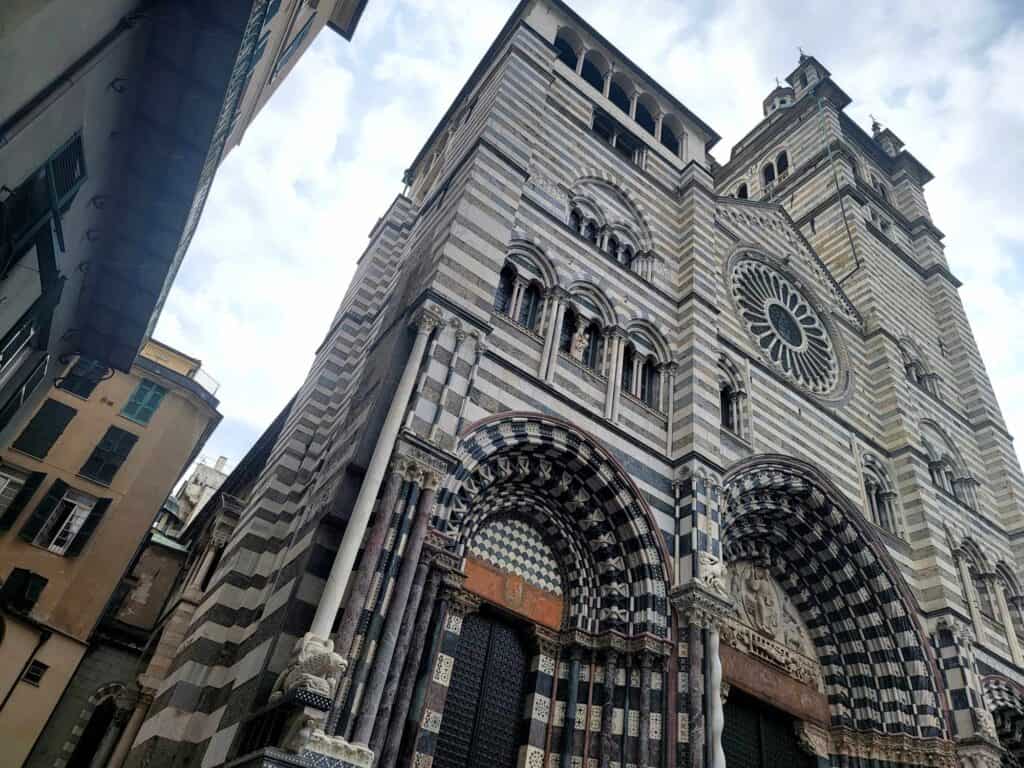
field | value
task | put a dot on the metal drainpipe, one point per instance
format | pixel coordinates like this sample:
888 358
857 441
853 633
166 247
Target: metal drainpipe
44 635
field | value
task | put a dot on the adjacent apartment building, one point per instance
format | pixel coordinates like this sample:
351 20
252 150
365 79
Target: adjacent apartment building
114 116
80 486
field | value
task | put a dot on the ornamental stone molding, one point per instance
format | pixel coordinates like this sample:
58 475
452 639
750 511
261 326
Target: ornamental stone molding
893 749
702 605
313 667
305 734
813 739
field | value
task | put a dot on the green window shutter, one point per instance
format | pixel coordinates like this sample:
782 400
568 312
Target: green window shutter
18 503
144 401
43 511
45 427
109 455
86 531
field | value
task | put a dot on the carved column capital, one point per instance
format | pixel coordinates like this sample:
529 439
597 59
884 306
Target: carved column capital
813 739
545 641
464 603
426 320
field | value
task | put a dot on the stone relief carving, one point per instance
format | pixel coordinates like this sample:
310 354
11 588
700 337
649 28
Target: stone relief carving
313 666
767 625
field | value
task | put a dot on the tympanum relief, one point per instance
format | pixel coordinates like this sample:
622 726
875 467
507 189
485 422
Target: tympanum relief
767 625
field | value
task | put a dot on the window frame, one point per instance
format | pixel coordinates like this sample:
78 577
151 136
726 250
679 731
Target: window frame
107 455
62 409
142 405
75 520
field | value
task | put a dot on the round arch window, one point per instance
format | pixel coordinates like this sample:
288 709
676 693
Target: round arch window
786 327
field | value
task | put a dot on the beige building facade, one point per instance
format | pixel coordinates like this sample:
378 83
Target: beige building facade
82 483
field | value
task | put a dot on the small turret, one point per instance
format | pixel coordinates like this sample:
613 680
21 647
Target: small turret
887 140
781 96
808 73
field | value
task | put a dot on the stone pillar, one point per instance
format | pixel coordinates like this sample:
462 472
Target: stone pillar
435 426
478 354
113 735
404 679
704 602
609 747
539 690
659 121
614 342
337 581
1004 614
644 747
141 701
715 716
204 568
969 595
396 611
670 406
572 700
371 553
550 355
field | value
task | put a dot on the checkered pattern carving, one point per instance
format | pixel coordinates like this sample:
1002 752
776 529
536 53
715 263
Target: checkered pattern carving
516 547
1005 700
590 514
874 659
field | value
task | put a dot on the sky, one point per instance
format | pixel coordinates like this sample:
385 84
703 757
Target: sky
291 208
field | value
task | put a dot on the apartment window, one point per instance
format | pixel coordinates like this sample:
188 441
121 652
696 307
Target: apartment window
21 590
18 341
83 377
22 393
16 489
34 674
64 520
108 456
45 427
144 401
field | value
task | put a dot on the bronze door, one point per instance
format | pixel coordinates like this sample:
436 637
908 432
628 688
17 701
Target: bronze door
757 735
481 725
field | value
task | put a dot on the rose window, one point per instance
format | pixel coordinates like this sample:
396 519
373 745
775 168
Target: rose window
785 326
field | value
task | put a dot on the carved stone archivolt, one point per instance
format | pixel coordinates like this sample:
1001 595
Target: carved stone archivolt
767 626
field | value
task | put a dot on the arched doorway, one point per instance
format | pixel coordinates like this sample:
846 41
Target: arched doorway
757 735
481 725
100 722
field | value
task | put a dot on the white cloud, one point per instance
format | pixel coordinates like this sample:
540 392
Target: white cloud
291 207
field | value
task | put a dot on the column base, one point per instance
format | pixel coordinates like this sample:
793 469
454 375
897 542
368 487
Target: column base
312 746
271 757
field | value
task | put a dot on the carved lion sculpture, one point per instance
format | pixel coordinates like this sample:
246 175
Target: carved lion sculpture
313 665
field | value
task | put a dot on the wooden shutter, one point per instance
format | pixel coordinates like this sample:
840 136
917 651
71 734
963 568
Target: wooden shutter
43 511
18 503
108 456
85 532
46 426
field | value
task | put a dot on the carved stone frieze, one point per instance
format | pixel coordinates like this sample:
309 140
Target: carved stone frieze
305 733
767 626
891 749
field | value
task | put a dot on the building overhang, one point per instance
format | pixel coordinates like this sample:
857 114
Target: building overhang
188 79
345 17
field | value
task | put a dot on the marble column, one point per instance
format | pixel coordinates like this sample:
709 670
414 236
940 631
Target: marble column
110 738
670 406
398 690
1008 627
549 360
435 426
609 745
969 595
571 702
341 570
396 612
614 343
142 701
644 747
716 716
371 553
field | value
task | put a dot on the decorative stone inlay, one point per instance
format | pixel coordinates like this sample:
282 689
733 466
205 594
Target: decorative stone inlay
546 664
516 547
787 329
453 623
541 708
443 669
305 735
431 721
655 725
558 718
534 757
580 721
766 624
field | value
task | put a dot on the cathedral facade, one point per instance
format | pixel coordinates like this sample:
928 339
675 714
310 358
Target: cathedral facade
617 456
